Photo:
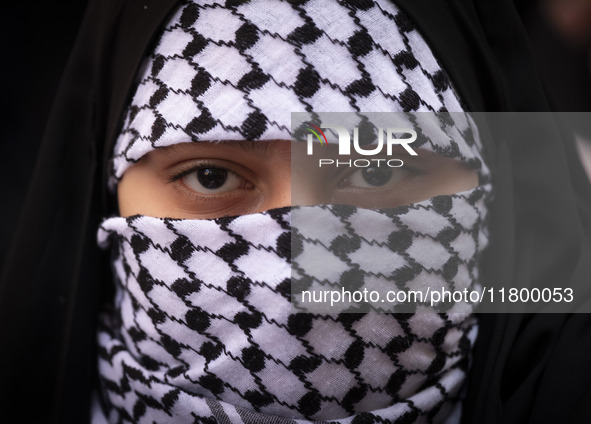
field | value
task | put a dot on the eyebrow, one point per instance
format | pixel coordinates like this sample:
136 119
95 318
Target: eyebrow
263 147
258 147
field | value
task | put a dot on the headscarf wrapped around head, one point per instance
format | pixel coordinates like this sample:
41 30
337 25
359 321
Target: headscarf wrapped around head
54 275
202 323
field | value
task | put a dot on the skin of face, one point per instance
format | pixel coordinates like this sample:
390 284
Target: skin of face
244 177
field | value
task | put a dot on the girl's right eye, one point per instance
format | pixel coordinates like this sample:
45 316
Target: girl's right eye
211 179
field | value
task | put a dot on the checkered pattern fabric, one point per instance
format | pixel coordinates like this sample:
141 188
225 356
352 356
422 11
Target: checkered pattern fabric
424 247
236 70
202 327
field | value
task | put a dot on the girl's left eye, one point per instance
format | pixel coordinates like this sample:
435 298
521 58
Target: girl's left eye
211 179
375 177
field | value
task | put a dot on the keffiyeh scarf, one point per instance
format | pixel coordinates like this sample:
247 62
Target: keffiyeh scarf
202 329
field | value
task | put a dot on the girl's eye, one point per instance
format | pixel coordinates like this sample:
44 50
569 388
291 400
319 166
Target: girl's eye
210 179
375 177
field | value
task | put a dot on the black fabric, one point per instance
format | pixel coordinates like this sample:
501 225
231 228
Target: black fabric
527 368
49 288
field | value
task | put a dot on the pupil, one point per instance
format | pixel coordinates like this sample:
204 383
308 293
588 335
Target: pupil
376 176
212 178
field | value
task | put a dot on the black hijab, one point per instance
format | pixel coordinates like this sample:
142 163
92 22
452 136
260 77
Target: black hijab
526 368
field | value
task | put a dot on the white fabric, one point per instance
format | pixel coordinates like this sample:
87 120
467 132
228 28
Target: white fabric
216 329
201 328
227 73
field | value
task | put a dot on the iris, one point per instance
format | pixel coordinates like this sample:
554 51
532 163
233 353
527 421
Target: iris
212 178
376 175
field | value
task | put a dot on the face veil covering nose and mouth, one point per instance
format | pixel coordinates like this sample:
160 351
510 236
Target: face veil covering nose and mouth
201 328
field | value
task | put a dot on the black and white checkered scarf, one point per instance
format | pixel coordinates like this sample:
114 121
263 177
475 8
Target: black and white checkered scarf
201 329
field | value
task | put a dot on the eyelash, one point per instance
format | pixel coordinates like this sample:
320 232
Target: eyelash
412 170
193 168
185 188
